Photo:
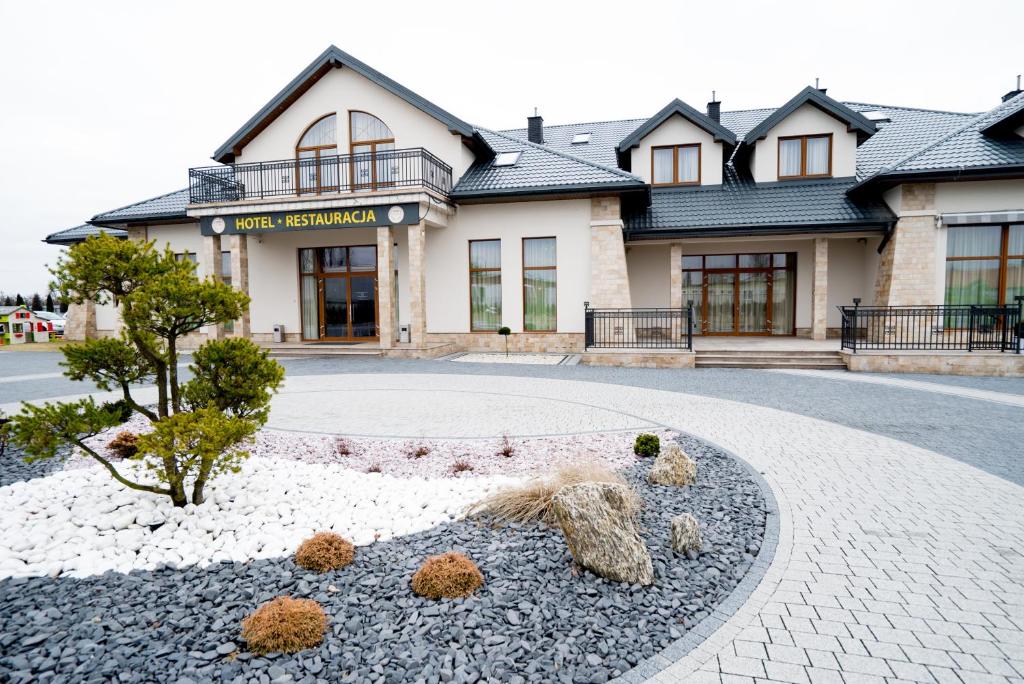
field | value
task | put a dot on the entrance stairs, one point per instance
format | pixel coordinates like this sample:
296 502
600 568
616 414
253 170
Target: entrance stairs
288 349
767 358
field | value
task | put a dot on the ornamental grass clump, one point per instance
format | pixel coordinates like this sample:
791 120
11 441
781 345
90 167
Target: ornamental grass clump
416 450
532 501
324 551
647 444
284 625
125 444
461 466
342 447
450 575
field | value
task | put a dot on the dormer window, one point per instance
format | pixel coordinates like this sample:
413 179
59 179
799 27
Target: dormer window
581 139
675 165
805 156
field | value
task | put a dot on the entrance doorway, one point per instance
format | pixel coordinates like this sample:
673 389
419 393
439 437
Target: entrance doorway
339 293
741 294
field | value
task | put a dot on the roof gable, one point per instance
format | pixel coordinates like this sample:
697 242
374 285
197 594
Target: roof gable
855 122
162 207
677 106
1006 118
72 236
329 59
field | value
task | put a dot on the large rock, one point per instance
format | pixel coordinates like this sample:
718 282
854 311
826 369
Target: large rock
673 467
685 533
598 520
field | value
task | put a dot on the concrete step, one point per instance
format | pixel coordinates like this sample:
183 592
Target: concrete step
769 353
286 350
820 360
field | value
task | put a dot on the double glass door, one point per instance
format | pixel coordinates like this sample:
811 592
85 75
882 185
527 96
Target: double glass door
339 293
741 294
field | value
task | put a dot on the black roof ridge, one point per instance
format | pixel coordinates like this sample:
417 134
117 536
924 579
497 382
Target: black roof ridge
717 131
135 204
909 109
581 123
566 155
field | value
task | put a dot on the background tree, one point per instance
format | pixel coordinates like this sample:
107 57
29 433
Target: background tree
19 300
199 427
37 302
49 302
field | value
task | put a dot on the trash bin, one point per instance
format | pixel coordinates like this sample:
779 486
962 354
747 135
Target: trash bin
279 332
403 333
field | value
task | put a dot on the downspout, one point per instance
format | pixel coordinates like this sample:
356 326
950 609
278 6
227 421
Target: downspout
888 236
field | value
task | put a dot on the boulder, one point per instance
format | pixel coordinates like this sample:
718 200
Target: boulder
673 468
685 533
598 520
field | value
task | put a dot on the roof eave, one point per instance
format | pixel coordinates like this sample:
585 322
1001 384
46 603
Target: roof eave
855 122
743 230
718 132
883 181
589 190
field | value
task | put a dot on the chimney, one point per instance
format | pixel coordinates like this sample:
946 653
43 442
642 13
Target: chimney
715 108
535 128
1013 93
818 87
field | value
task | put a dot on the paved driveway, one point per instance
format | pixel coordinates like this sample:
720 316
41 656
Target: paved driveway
900 503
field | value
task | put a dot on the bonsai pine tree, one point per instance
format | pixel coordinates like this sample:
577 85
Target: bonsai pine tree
199 427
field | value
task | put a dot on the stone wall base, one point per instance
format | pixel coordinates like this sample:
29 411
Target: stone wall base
938 363
517 342
639 359
431 351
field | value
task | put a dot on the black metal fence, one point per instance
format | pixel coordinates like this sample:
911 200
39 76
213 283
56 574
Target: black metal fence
343 173
638 328
938 328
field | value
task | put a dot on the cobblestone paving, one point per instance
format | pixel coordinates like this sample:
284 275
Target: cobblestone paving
894 562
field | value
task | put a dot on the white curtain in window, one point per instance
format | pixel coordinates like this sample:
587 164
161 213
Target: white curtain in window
368 127
789 158
310 309
817 156
965 241
538 252
689 171
662 166
323 132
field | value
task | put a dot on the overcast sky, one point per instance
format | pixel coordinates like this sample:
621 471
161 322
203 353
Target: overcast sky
107 103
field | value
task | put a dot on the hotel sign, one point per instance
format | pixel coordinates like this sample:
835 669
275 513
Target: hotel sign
311 219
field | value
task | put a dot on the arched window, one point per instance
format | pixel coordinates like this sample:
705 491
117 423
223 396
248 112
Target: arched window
372 144
316 156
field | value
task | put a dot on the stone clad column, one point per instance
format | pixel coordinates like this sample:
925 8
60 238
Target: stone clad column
609 278
386 286
239 246
210 263
418 284
675 279
906 269
81 322
819 290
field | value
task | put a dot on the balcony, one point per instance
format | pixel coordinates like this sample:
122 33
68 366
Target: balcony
315 177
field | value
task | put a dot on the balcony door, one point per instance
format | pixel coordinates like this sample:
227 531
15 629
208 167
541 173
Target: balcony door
316 157
339 293
370 141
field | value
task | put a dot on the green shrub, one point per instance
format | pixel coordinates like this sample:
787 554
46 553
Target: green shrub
647 444
120 408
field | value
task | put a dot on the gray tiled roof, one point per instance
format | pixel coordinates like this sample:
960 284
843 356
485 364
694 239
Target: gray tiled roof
604 136
167 206
539 168
4 310
70 236
740 203
677 107
813 96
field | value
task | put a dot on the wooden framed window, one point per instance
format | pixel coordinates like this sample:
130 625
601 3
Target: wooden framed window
675 165
984 264
316 160
805 156
484 285
540 285
370 140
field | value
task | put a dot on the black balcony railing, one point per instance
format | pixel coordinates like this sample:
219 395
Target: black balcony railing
343 173
936 328
638 328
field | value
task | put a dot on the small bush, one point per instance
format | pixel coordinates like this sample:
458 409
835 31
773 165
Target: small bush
461 466
647 445
5 432
342 447
450 575
416 450
531 502
120 408
507 448
324 551
284 625
125 444
374 468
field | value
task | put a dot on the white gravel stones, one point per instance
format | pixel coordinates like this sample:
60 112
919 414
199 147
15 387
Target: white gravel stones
496 357
80 522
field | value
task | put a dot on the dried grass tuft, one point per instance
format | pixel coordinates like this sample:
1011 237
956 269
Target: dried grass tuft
531 502
284 625
450 575
416 450
324 551
461 466
125 444
343 447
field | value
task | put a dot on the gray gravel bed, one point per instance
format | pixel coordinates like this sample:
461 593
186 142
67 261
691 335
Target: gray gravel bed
13 467
537 618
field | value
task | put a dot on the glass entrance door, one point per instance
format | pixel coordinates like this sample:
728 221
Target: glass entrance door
720 288
741 294
339 293
753 303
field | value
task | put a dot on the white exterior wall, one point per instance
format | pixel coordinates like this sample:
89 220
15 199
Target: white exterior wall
342 90
678 131
852 264
807 120
650 271
447 259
